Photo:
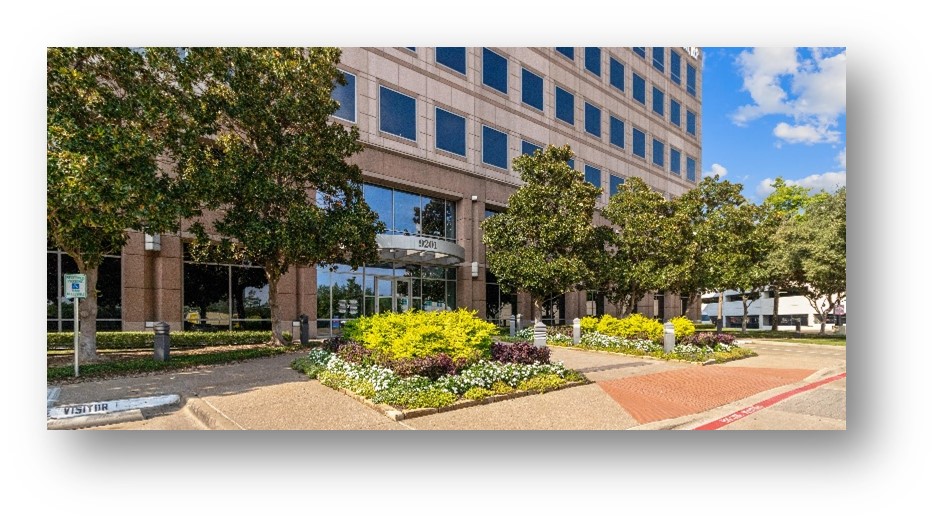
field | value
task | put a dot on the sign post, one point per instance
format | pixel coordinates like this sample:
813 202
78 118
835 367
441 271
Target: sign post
75 289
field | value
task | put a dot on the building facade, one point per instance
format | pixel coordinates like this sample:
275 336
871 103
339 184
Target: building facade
440 127
793 309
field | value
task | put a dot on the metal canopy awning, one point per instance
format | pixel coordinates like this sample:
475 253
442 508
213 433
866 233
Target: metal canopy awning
409 249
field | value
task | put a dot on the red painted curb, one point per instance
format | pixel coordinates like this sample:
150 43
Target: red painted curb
731 418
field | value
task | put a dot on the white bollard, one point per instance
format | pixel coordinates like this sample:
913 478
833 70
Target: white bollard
669 337
539 334
512 326
576 331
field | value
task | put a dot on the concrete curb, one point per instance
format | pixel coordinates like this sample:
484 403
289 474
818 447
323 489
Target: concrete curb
785 343
648 357
95 420
210 415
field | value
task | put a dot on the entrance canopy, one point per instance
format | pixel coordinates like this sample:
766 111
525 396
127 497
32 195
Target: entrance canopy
419 250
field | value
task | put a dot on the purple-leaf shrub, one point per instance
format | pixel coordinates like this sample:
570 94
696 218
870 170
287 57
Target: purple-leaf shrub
353 352
523 353
432 366
708 339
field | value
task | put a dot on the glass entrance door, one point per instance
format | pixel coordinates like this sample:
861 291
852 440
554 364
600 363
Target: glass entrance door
393 294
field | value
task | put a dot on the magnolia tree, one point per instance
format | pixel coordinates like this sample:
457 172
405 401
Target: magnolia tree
272 164
545 240
109 120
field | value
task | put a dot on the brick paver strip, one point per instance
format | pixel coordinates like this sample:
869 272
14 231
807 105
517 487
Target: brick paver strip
676 393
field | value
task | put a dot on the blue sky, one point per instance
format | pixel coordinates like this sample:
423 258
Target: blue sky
775 112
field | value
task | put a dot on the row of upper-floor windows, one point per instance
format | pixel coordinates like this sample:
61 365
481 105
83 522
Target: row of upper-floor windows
593 61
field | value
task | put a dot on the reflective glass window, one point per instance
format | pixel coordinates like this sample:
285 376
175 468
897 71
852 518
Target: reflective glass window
494 70
494 147
396 113
346 96
640 143
532 89
617 131
593 60
592 119
452 57
617 74
564 105
450 134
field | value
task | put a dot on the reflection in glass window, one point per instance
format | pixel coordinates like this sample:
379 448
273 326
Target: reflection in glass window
532 89
675 65
617 131
593 60
658 101
658 60
690 79
640 143
564 105
593 175
59 310
433 217
617 74
568 52
528 148
205 296
690 122
346 96
641 51
658 153
675 161
449 132
690 169
640 89
500 305
250 309
452 57
380 201
592 119
615 183
494 147
407 212
674 112
396 113
494 70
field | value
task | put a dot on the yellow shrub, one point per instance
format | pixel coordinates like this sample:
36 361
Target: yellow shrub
589 324
459 334
635 325
683 327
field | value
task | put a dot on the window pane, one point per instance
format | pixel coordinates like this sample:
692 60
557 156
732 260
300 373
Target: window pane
494 70
529 148
109 288
690 169
346 96
640 143
449 220
674 112
396 113
675 161
640 89
433 295
658 102
615 183
641 51
564 105
250 299
658 62
567 51
690 79
593 60
690 122
495 147
592 120
407 212
347 295
380 201
432 217
205 296
593 175
675 66
323 293
453 57
532 89
617 132
52 285
451 291
617 74
449 132
571 163
658 152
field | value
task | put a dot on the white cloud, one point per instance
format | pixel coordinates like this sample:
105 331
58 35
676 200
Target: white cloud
812 91
828 181
842 158
805 134
717 169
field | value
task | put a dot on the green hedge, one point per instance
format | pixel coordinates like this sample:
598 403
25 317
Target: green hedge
121 340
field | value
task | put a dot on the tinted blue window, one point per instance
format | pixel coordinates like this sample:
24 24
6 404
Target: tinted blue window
614 183
528 148
494 70
532 89
640 89
453 57
449 132
380 201
346 96
411 48
675 161
640 143
564 105
617 74
396 113
690 122
571 163
690 169
567 51
593 175
592 120
495 150
675 67
641 51
674 112
658 101
658 61
593 60
690 79
658 153
617 132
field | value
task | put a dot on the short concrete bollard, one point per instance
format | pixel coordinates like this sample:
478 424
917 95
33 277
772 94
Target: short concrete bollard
295 332
539 334
305 328
576 331
669 337
161 341
512 326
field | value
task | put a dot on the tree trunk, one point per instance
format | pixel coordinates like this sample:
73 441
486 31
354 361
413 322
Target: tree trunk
632 306
719 318
774 312
87 314
276 338
744 313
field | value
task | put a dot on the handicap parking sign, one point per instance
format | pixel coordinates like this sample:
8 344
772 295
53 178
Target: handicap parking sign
75 286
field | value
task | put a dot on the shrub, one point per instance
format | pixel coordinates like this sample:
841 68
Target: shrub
635 325
353 352
333 344
709 339
478 393
525 353
396 336
589 324
432 366
683 327
127 340
501 388
542 383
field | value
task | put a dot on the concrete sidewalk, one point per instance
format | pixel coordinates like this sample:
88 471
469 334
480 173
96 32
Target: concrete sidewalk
266 394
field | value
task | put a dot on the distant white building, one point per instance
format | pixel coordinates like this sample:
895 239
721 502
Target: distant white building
791 309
